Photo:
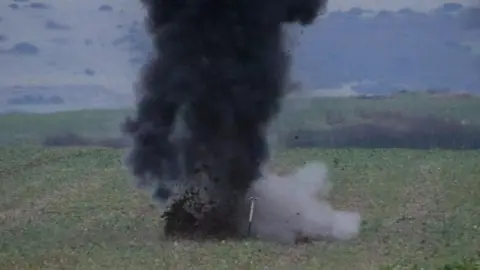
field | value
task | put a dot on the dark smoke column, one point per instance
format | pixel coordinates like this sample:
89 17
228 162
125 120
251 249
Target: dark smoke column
220 69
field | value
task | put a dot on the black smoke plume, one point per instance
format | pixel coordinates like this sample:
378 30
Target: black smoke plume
205 100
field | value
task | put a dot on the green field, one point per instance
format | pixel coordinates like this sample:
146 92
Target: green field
313 113
74 208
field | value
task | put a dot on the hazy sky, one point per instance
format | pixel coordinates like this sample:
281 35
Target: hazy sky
391 4
56 64
424 5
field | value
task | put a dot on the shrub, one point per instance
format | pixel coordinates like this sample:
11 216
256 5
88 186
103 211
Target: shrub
105 8
24 48
38 5
391 130
53 25
72 139
66 139
35 100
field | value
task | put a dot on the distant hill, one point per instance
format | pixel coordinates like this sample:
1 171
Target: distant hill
49 42
56 43
391 50
43 99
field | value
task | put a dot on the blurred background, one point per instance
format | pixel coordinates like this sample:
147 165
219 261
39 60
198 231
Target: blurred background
367 74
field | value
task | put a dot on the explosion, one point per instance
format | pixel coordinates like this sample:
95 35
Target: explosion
205 100
294 208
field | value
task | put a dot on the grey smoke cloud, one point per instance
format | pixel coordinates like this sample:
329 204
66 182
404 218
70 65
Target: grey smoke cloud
295 207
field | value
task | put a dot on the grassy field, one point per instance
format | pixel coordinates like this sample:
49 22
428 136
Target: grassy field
75 209
33 128
312 113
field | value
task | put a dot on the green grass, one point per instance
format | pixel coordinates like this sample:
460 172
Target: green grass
411 104
32 128
310 113
75 209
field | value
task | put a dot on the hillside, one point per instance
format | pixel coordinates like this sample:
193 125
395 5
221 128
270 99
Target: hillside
408 120
66 42
391 50
101 45
75 208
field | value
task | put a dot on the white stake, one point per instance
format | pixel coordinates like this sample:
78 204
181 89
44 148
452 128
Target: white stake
251 213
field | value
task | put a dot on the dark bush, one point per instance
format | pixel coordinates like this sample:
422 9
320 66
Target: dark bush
39 5
24 48
374 97
116 143
72 139
66 139
451 7
55 100
89 72
391 130
105 8
35 100
53 25
334 118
